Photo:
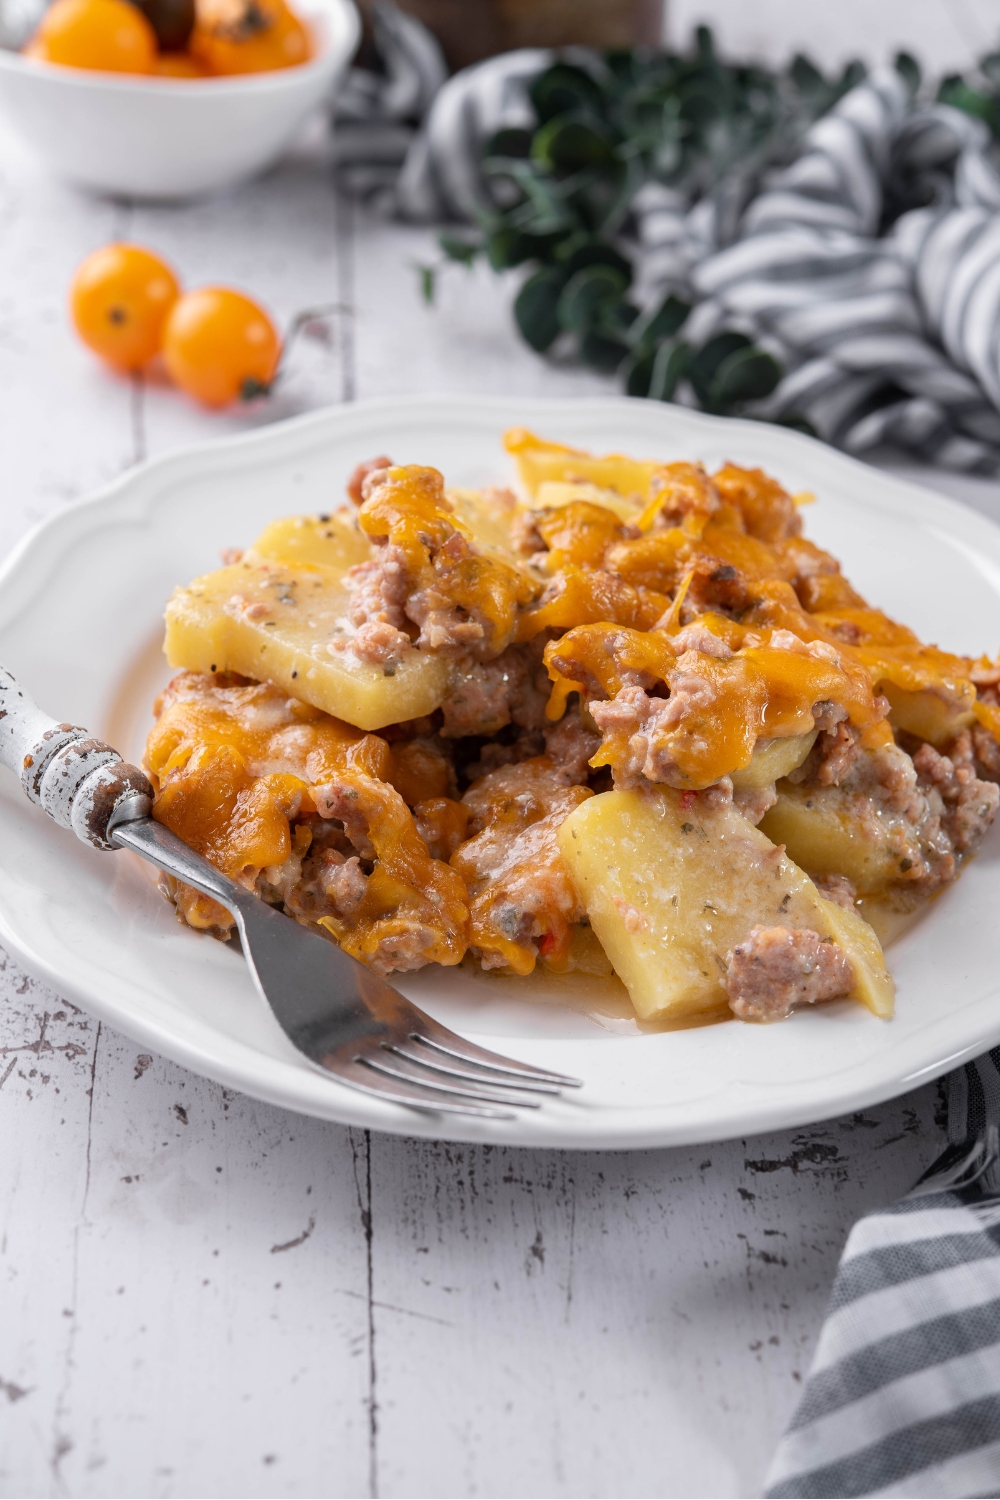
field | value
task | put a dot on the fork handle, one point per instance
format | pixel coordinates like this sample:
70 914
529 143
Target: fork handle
82 783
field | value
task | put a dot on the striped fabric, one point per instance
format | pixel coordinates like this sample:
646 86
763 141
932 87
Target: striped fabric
379 114
903 1396
884 337
891 338
412 143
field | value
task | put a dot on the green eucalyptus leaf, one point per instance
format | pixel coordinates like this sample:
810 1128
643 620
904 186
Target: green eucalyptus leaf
989 66
661 323
637 373
669 152
542 223
506 247
513 141
617 318
535 308
545 210
457 248
797 423
853 74
600 352
671 363
909 70
428 283
805 75
960 95
706 363
745 375
562 88
701 107
584 249
584 295
622 63
567 145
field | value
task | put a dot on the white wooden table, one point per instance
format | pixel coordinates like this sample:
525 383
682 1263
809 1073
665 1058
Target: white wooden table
202 1295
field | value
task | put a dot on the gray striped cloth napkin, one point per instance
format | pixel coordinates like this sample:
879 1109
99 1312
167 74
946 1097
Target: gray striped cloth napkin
903 1396
884 337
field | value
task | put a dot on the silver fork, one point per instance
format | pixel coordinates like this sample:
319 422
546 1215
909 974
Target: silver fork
342 1017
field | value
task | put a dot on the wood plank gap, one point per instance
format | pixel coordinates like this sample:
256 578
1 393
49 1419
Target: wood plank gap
123 216
137 414
62 1443
372 1367
364 1193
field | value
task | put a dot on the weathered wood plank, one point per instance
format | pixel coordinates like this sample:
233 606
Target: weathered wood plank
464 343
66 423
223 1259
47 1052
185 1276
632 1323
275 240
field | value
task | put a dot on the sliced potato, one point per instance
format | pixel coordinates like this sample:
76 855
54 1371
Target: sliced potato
485 519
333 541
277 623
671 886
874 984
820 829
930 715
773 759
554 494
538 461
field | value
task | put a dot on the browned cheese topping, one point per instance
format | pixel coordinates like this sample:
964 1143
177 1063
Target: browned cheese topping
636 626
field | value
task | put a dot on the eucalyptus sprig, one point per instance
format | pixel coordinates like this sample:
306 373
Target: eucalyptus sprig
568 181
979 94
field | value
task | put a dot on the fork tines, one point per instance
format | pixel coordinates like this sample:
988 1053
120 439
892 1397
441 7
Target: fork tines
446 1074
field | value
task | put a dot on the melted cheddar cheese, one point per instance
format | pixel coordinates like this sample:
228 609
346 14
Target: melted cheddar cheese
641 630
758 693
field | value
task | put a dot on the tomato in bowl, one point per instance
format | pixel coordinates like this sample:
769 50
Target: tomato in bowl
173 134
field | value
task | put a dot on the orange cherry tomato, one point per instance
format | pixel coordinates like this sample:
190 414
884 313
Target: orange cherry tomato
179 65
109 36
119 301
249 36
219 346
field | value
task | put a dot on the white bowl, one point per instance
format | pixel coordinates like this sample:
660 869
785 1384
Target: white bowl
160 138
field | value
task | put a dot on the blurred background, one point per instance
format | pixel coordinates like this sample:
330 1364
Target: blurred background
942 34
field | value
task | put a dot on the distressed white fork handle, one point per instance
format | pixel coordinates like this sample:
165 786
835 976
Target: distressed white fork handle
346 1020
81 782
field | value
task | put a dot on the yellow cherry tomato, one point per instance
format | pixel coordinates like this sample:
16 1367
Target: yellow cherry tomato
108 36
249 36
220 346
179 65
119 301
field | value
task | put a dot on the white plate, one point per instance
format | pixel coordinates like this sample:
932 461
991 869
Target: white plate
80 624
